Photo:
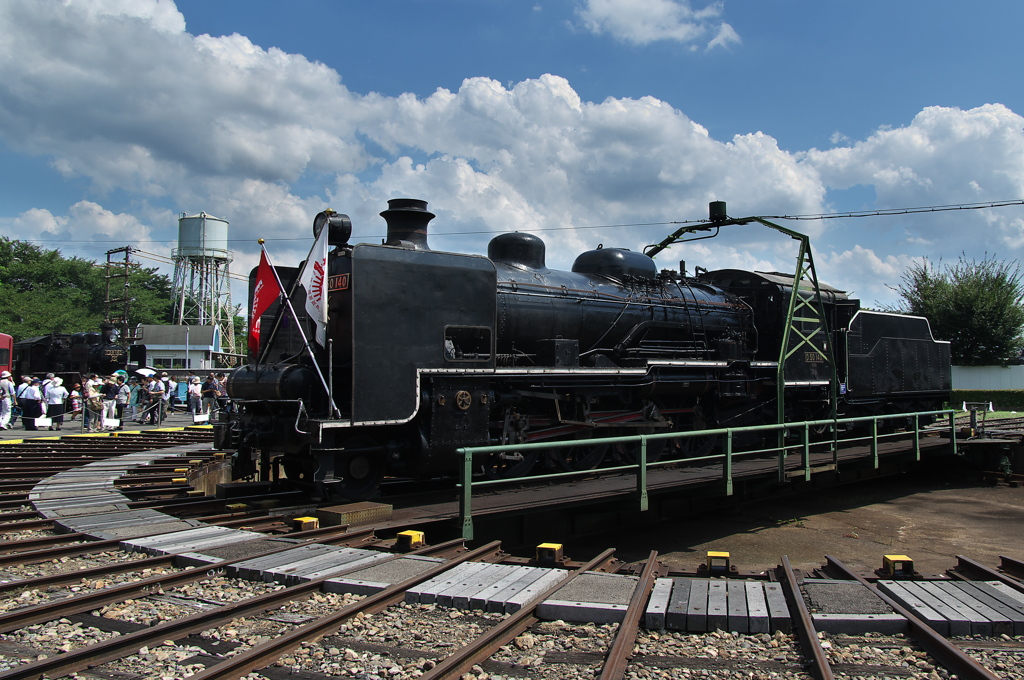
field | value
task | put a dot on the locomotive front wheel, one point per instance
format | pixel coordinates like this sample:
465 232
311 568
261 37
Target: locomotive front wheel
360 468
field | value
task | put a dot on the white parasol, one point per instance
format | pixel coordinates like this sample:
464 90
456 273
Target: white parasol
148 372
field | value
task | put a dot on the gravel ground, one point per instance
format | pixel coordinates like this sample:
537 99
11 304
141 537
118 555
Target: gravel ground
58 636
21 508
35 596
168 661
26 535
882 650
1006 663
386 644
64 565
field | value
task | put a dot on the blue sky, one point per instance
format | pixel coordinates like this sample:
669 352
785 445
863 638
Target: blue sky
559 116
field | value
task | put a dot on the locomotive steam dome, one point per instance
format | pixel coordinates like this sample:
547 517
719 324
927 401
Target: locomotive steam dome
525 250
407 220
616 263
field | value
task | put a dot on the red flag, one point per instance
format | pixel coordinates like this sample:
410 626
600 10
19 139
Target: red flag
266 293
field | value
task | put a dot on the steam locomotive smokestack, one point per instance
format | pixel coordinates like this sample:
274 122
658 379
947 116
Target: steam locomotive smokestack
407 220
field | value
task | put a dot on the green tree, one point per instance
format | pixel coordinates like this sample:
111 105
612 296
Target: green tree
975 305
43 292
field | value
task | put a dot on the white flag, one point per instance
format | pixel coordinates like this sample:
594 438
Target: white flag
313 278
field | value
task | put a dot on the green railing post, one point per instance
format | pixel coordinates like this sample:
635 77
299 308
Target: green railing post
835 442
806 437
874 442
781 456
727 464
466 498
917 438
952 431
641 475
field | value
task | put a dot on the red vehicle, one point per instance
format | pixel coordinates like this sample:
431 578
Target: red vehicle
6 352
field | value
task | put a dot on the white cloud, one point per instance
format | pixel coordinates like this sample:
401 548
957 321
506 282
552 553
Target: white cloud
118 93
640 22
136 103
85 221
864 274
725 36
943 156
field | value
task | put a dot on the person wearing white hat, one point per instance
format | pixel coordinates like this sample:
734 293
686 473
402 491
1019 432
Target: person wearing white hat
6 399
55 395
31 404
195 396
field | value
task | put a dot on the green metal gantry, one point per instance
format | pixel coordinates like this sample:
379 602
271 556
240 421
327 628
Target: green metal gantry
805 317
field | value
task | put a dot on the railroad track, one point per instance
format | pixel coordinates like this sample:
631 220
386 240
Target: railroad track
278 603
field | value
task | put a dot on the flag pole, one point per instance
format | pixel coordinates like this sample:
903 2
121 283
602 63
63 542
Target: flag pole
277 317
335 412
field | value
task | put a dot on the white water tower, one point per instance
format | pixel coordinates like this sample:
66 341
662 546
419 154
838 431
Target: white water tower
201 271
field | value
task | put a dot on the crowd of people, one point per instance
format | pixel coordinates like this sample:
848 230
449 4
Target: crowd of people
106 402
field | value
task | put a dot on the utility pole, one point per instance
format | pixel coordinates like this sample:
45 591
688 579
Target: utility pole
117 310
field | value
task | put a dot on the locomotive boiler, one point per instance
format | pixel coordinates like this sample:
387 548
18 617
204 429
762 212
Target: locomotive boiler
431 351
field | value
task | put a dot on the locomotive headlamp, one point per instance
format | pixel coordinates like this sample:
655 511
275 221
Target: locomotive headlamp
340 227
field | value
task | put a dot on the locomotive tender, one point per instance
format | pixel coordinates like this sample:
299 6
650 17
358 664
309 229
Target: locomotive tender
431 351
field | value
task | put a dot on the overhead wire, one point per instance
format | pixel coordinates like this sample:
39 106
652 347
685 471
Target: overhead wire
898 211
167 260
883 212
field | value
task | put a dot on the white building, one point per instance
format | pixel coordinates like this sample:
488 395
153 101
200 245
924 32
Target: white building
180 348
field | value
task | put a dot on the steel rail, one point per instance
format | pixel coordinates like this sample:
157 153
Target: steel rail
121 646
93 573
240 665
26 546
1013 568
621 649
494 638
69 577
30 545
83 602
813 651
941 649
44 554
966 564
21 521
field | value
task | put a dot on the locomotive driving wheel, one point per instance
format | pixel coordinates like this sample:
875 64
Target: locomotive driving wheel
630 453
360 467
697 446
585 455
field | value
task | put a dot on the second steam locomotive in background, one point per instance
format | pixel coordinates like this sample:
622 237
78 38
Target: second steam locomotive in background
431 351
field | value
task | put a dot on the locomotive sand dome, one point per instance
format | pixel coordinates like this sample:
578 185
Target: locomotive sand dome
431 351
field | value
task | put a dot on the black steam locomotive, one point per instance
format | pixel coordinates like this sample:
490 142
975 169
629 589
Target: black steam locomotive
430 351
72 355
